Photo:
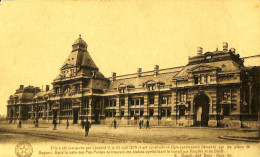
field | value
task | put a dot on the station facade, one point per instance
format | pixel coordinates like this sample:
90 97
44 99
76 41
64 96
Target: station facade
214 89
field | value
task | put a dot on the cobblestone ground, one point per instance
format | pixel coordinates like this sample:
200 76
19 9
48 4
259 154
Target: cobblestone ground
9 133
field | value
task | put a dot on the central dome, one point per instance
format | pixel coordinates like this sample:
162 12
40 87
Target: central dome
80 41
79 44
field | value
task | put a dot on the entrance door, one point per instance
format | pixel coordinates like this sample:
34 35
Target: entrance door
75 116
201 109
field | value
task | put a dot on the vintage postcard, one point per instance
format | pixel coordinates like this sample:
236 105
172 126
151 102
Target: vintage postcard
129 78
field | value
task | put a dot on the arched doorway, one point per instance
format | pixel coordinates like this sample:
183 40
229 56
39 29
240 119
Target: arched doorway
201 109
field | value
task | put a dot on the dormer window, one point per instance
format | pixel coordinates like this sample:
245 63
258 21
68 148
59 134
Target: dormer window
72 72
151 85
63 73
121 88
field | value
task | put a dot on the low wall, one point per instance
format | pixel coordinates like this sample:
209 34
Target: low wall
251 124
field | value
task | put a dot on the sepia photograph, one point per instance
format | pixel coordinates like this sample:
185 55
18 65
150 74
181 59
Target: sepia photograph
129 78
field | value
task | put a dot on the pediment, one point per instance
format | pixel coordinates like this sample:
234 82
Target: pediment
66 66
201 68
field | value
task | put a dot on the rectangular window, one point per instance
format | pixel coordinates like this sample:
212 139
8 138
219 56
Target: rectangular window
110 103
164 100
142 101
208 78
57 90
151 100
227 94
77 88
169 99
168 113
132 102
137 101
196 80
114 101
122 102
132 113
182 96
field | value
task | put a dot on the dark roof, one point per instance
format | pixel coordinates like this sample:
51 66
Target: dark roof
79 58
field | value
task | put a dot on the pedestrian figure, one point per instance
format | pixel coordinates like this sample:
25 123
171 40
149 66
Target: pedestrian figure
87 126
147 124
54 124
67 123
140 124
36 122
20 124
114 122
82 124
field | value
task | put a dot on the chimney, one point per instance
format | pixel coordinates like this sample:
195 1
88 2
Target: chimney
139 72
233 50
47 88
113 76
199 51
156 70
225 46
21 86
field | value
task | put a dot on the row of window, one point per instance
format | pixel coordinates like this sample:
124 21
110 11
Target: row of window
66 113
139 113
150 87
167 99
76 87
201 79
66 106
68 72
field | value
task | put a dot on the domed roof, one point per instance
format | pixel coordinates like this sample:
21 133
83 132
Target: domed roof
80 41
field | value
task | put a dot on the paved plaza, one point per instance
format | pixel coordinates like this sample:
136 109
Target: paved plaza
9 133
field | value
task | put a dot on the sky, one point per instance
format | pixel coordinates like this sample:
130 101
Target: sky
36 36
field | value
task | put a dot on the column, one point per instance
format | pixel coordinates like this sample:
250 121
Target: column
117 107
156 105
146 114
91 110
102 107
20 112
81 104
174 112
127 107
